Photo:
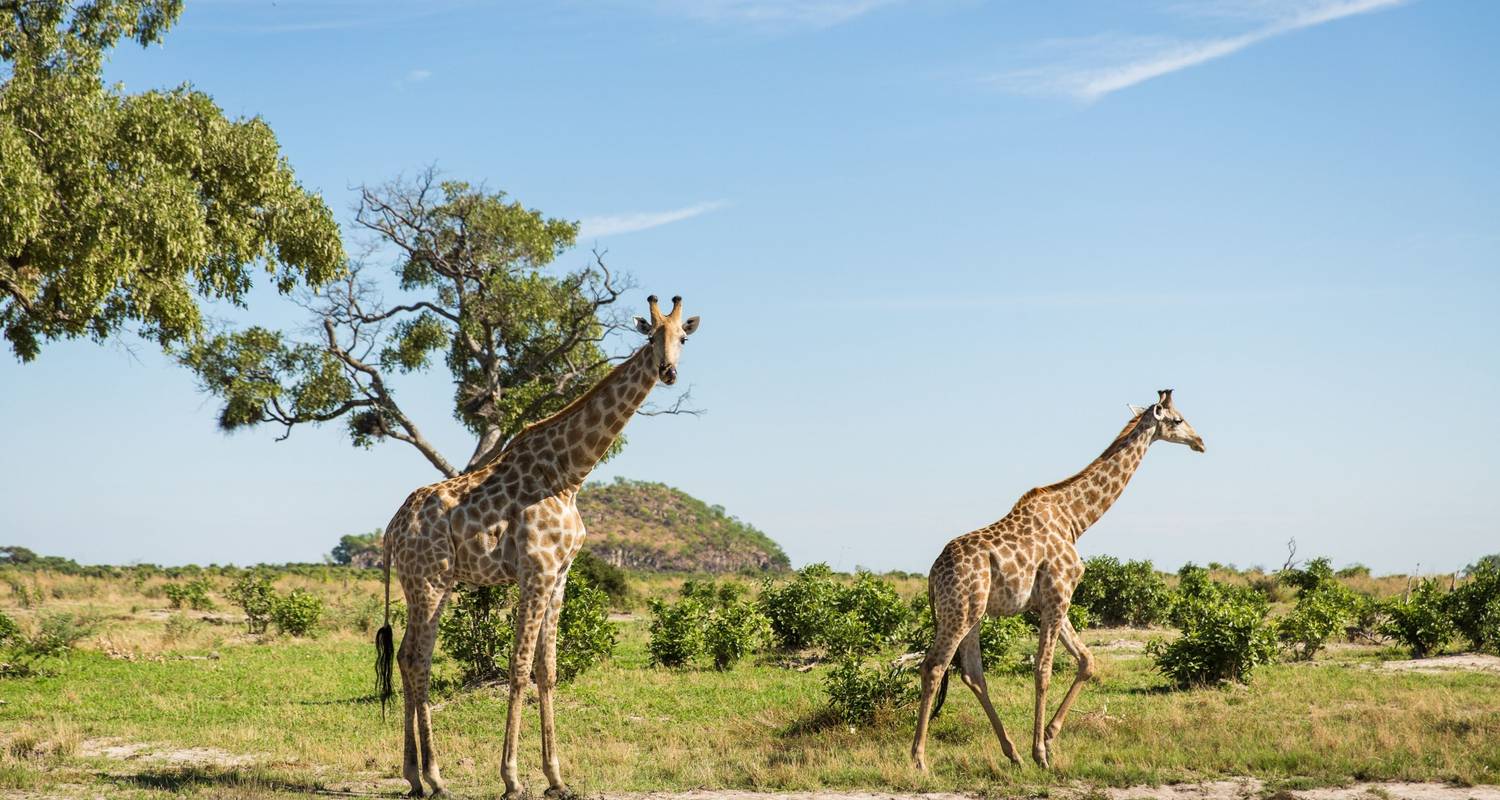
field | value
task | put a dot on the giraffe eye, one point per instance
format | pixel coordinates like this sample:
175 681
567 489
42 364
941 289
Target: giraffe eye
684 340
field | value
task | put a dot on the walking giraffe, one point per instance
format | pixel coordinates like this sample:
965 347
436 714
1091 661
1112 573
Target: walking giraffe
511 521
1027 560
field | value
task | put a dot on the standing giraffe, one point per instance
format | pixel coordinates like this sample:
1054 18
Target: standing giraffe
511 521
1027 561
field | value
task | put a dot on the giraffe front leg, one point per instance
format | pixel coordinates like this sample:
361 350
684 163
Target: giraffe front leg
546 682
1080 652
1047 642
534 596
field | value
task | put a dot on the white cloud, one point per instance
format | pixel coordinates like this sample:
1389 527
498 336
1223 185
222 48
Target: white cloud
612 224
413 78
1108 64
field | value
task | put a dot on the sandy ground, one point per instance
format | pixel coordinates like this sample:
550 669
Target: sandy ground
1464 661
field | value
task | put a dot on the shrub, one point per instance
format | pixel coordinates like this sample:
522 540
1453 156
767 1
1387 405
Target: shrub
1225 634
296 613
10 632
877 606
1324 607
585 636
800 610
677 635
255 595
712 594
193 594
1475 606
54 637
733 631
1354 571
602 575
479 630
857 694
1122 594
1420 621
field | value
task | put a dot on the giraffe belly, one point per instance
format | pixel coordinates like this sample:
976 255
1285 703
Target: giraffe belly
1007 597
486 558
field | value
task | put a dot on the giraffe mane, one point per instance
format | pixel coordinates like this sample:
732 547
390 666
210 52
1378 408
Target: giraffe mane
1121 439
567 410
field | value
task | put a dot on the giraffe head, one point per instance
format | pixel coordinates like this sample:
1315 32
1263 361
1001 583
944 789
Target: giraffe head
1171 426
668 334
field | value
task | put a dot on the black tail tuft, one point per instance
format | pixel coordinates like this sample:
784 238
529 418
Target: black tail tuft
937 705
385 654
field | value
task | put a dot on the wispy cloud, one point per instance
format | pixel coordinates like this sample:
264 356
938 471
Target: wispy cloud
773 13
413 78
612 224
1104 64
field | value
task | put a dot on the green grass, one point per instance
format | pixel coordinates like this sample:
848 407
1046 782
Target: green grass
303 712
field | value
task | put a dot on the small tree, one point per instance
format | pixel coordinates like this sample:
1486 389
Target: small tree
1421 621
255 595
297 612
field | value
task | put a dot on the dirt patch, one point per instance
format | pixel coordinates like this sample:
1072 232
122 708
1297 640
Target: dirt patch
1244 789
1471 662
1247 788
118 750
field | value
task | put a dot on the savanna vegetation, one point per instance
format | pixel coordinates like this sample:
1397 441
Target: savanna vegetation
784 682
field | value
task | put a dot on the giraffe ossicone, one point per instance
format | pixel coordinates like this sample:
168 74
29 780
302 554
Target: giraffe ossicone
511 520
1028 561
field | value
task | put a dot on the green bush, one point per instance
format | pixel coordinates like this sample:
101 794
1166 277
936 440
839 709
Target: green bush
733 631
255 595
296 613
711 593
800 610
677 632
601 575
1225 634
10 632
999 637
53 638
193 594
877 606
1131 593
1475 606
1421 621
1324 608
585 636
858 694
479 630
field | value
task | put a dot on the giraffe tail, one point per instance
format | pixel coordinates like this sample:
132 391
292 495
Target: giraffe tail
385 645
942 694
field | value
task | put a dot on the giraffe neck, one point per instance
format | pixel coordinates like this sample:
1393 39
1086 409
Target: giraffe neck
573 440
1082 499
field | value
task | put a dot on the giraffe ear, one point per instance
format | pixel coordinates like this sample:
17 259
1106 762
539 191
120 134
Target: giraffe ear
1157 411
689 326
1135 410
643 325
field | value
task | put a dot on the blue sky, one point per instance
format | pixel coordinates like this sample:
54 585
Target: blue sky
937 248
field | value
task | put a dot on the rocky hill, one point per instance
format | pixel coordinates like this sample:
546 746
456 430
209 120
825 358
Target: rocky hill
651 526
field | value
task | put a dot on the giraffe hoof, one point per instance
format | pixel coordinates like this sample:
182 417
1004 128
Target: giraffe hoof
518 793
417 792
559 793
1039 755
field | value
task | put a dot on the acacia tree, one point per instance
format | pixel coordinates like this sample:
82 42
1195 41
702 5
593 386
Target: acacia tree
519 339
118 209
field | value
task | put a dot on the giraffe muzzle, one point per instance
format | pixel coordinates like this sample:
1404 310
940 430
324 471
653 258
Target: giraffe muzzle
669 375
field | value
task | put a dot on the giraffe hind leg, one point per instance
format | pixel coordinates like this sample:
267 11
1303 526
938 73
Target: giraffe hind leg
419 763
971 668
934 666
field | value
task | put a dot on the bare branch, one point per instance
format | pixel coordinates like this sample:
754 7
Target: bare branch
678 406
